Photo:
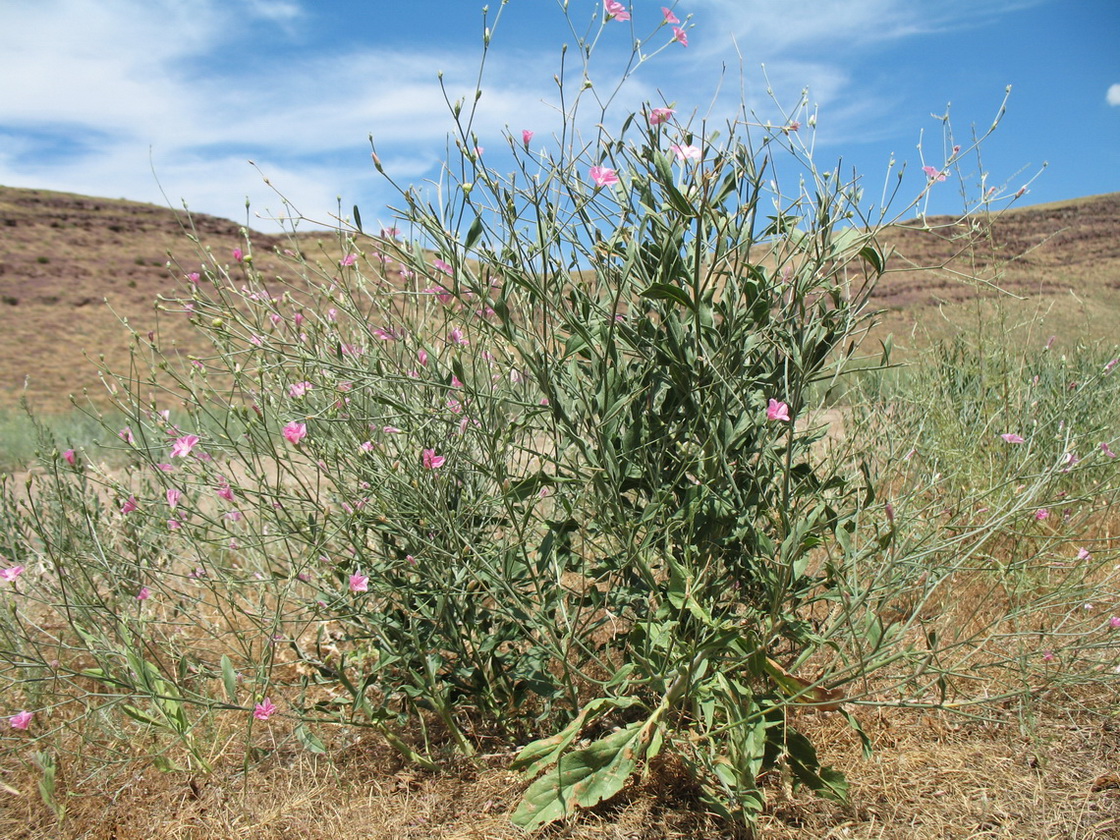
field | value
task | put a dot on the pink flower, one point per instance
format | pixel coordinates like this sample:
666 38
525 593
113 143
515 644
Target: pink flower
669 16
174 524
183 446
615 10
125 434
680 35
1040 514
1048 656
130 505
603 176
1108 368
295 432
659 115
526 138
366 446
456 337
933 173
173 497
299 389
11 573
348 260
69 457
265 709
144 594
445 267
223 489
1011 437
1083 554
1114 622
1107 451
431 460
238 255
194 277
21 720
777 411
686 152
359 583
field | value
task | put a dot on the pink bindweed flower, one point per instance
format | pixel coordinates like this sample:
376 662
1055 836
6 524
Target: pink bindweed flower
11 573
348 260
1107 451
69 457
1041 514
129 505
526 138
1083 554
431 460
657 116
223 489
1048 656
265 709
22 720
456 337
238 254
686 152
182 446
295 432
669 16
1011 437
777 411
359 583
933 173
615 10
125 434
680 35
173 497
1114 622
174 524
144 594
443 266
602 176
366 446
194 277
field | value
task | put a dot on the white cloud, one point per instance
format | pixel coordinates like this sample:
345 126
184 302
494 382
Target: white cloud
1113 95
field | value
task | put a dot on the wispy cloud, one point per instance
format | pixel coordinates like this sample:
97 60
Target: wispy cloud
1113 95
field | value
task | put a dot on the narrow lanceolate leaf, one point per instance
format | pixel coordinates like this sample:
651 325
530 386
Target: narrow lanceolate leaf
473 234
357 219
229 679
583 778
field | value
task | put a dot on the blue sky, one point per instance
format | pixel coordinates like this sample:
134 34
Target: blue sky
106 97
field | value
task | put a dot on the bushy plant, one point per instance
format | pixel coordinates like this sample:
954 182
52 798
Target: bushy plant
539 467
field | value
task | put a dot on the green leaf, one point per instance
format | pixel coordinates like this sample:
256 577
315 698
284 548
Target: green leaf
136 714
309 740
229 679
872 257
538 755
585 777
358 219
474 233
666 291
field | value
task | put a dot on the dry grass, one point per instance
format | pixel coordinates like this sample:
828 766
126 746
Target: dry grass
930 777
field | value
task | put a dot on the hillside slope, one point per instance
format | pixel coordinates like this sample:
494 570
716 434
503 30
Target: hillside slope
64 256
